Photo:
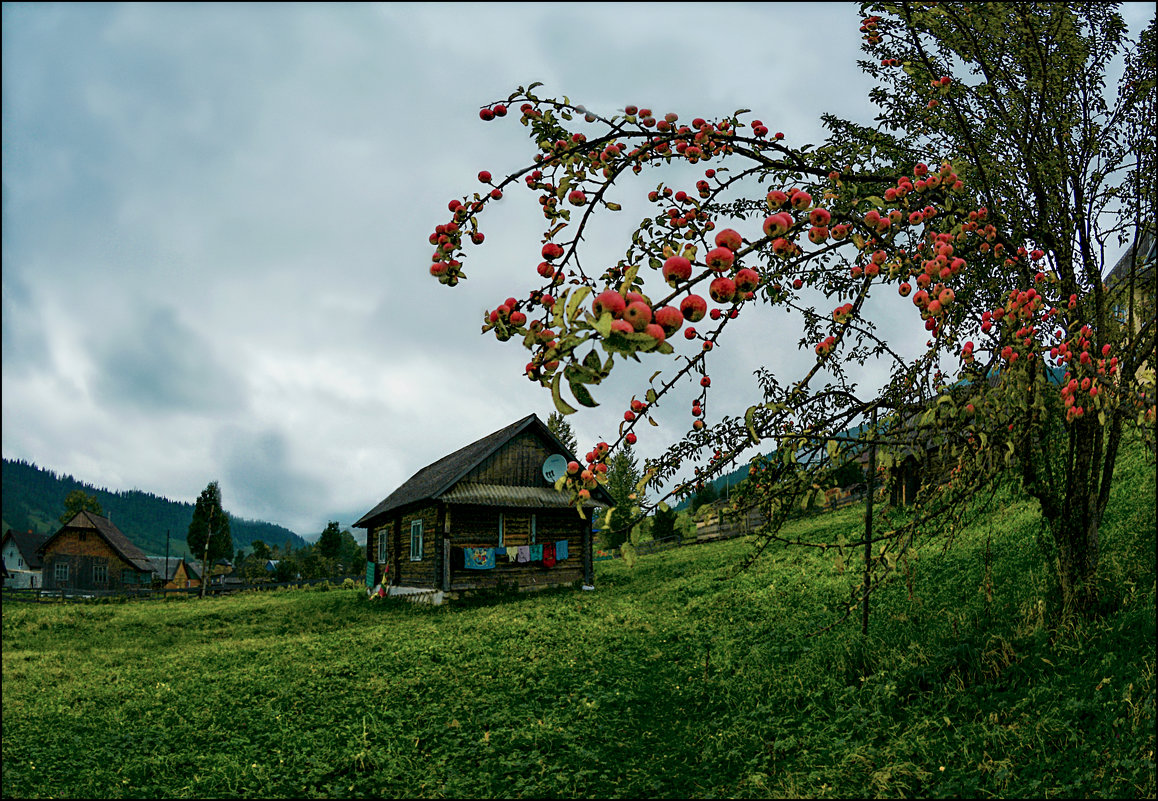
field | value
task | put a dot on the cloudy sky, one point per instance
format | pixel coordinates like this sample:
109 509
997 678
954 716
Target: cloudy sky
215 223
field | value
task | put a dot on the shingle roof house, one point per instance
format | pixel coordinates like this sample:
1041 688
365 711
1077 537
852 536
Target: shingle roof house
479 501
90 553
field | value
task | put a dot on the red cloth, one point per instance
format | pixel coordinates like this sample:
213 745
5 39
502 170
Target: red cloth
549 555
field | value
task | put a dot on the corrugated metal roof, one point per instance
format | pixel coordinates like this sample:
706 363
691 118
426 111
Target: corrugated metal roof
502 495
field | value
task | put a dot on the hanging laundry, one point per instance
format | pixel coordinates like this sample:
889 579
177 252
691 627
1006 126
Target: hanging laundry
549 555
512 553
561 550
536 553
478 558
524 553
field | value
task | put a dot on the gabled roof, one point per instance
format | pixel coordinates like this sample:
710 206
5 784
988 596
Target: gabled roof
437 479
167 572
27 543
110 534
1147 251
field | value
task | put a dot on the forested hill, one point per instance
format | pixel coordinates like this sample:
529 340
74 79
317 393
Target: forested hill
33 498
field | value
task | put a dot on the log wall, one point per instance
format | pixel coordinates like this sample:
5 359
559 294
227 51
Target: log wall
83 551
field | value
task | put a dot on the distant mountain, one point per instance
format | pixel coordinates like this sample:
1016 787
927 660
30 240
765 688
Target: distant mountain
33 498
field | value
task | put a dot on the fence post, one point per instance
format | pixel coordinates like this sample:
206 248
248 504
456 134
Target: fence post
868 525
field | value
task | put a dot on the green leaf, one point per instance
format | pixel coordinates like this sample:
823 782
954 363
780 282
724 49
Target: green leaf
592 362
629 277
750 422
603 324
582 395
577 296
556 395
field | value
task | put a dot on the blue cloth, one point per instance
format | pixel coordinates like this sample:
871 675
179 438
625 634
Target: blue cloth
478 558
536 553
560 550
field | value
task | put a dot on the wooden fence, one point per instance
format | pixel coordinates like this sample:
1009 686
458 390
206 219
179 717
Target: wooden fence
42 596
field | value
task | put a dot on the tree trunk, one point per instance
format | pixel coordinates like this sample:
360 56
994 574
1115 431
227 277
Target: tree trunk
1077 563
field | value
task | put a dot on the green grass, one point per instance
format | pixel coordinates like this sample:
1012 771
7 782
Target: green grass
672 679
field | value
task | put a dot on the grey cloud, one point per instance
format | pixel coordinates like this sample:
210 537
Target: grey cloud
161 365
259 477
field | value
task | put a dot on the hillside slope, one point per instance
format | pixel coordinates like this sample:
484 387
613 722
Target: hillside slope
33 498
676 678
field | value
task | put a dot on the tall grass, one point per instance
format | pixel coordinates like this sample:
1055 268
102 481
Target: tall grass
675 678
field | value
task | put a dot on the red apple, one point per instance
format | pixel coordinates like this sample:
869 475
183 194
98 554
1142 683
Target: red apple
609 301
694 308
654 331
746 280
676 269
719 259
722 289
638 314
729 238
778 224
670 319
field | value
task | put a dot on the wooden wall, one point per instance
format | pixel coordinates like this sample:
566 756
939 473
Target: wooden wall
84 550
477 527
519 463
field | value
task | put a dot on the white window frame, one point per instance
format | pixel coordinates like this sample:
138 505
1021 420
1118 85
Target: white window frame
382 534
61 572
416 537
100 574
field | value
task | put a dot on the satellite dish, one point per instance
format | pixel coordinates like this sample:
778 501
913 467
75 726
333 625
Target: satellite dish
555 467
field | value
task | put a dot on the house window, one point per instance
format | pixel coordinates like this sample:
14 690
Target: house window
381 545
128 577
533 532
501 522
416 541
100 574
62 572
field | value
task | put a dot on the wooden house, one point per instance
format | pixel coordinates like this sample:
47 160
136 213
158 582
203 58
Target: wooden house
487 515
175 573
90 553
22 564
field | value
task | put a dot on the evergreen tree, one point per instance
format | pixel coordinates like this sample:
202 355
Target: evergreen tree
663 523
330 541
559 426
623 475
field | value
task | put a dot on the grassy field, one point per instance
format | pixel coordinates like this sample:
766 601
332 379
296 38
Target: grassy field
670 680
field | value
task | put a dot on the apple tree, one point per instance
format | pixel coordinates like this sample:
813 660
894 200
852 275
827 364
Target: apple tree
985 198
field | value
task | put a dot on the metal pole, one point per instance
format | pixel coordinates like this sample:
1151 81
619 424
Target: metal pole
868 527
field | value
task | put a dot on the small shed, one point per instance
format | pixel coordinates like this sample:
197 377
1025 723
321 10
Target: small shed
90 553
487 515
